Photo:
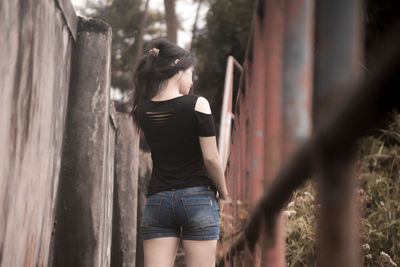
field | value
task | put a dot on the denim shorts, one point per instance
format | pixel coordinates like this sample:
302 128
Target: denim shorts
191 213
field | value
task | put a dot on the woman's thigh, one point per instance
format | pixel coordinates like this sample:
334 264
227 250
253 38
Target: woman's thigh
200 253
160 252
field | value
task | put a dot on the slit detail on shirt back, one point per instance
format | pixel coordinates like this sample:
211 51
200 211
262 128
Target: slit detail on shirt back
159 117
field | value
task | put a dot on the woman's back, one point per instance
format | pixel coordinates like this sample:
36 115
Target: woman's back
172 128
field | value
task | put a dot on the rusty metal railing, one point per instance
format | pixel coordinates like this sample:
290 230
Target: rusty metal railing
335 139
254 220
226 114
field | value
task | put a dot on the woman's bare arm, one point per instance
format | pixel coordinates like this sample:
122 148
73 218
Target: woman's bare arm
213 164
210 153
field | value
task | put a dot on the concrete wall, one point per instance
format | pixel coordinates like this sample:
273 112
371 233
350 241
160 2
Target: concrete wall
36 43
125 192
144 169
84 205
68 164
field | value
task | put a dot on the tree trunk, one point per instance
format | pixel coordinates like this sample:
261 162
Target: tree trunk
194 28
139 52
171 20
142 29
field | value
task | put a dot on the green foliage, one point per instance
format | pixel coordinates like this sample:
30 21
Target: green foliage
379 178
226 33
301 227
125 18
380 194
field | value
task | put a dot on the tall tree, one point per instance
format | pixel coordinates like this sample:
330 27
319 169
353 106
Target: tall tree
142 29
171 20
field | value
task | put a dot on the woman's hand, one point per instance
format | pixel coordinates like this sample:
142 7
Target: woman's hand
222 200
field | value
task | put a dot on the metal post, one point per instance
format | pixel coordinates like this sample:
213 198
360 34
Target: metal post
338 49
255 153
224 146
297 77
337 63
226 114
297 74
273 32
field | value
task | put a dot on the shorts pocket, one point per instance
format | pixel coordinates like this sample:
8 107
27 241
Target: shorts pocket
199 211
151 213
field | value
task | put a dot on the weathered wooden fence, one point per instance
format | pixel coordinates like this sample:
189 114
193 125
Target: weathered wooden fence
68 160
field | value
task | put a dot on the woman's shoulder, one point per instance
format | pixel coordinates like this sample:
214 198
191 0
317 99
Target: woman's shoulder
202 105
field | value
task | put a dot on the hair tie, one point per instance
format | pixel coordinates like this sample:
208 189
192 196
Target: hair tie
154 51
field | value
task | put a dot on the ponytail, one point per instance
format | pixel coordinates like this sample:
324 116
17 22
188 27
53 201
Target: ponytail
154 69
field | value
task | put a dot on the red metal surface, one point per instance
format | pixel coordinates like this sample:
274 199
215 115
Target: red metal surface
258 139
297 74
255 138
273 31
260 113
327 152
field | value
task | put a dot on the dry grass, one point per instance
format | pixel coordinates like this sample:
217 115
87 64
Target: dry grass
379 195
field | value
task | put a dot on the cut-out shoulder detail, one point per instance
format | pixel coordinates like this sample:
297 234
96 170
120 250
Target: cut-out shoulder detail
202 105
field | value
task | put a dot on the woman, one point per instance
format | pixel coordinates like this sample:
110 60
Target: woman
187 173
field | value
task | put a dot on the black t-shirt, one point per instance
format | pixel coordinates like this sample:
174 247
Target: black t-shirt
172 128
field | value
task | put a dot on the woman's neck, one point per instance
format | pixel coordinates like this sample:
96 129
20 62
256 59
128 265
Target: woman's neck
171 90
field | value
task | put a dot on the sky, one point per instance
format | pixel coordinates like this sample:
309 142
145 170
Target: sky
185 10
